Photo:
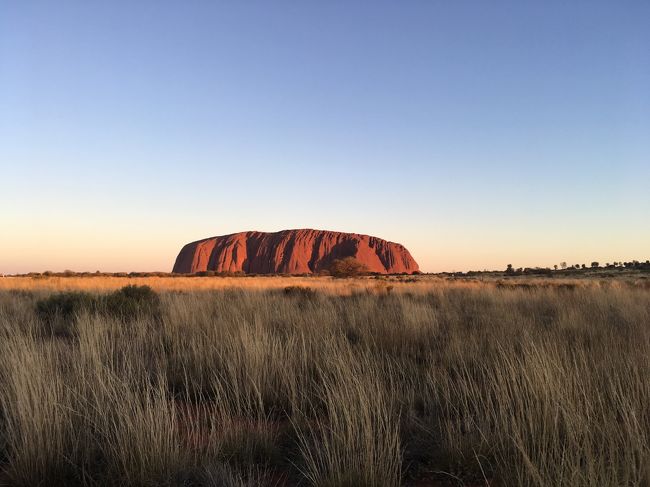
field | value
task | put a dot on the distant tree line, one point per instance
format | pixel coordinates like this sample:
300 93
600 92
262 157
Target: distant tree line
564 267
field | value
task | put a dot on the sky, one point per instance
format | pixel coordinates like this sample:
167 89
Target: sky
475 133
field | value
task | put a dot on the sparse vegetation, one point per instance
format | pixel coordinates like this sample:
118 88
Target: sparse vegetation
509 382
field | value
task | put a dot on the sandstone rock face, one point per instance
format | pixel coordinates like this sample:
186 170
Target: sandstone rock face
291 252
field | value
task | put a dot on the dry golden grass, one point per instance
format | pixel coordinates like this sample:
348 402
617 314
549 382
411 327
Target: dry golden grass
381 284
253 283
238 383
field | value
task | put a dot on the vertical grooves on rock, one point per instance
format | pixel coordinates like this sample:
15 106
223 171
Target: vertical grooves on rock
291 252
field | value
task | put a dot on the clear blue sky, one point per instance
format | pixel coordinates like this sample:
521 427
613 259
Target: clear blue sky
475 133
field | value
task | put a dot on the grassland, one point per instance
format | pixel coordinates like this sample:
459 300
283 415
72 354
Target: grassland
314 381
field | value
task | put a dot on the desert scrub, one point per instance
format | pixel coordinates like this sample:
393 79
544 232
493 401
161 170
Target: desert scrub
58 312
130 302
512 385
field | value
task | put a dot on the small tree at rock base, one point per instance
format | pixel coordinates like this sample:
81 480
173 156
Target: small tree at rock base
347 267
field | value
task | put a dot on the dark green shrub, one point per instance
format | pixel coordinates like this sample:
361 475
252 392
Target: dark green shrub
57 312
130 302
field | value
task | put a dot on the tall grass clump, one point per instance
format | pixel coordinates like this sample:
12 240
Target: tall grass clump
350 437
39 428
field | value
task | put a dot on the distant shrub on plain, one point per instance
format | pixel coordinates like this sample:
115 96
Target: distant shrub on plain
347 267
299 291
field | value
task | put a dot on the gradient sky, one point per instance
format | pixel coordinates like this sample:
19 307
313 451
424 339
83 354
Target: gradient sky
475 133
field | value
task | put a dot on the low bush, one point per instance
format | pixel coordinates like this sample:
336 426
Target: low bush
347 267
58 311
132 301
300 291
